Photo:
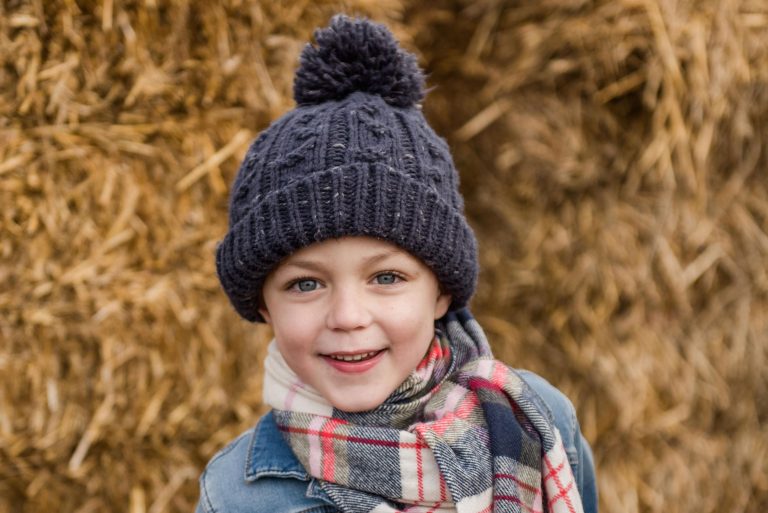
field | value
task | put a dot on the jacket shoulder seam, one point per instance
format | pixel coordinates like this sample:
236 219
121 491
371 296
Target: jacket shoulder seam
205 499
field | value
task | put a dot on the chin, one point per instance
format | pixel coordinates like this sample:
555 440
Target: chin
355 407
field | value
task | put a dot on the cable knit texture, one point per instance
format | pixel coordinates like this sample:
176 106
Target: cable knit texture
355 157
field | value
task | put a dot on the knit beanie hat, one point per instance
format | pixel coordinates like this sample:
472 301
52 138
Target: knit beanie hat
355 157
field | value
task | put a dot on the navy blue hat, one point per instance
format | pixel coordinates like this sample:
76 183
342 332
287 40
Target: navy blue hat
355 157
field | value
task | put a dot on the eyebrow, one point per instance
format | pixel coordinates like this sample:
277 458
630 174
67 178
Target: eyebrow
373 259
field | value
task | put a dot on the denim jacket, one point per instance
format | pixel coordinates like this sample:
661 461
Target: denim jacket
258 472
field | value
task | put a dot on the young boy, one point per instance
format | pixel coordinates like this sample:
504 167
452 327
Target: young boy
347 236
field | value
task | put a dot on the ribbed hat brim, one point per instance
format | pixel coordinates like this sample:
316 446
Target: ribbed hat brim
367 199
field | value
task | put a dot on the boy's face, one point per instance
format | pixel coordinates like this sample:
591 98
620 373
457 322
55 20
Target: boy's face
353 317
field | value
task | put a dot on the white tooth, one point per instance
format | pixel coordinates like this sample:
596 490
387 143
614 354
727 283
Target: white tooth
353 358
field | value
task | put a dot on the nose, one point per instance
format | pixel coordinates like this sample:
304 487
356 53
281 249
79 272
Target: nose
348 309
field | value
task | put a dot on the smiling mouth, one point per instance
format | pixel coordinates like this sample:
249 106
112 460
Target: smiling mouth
353 357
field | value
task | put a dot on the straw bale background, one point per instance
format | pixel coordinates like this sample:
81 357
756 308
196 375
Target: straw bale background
612 160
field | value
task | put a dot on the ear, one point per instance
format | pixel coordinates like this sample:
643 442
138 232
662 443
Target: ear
442 304
265 314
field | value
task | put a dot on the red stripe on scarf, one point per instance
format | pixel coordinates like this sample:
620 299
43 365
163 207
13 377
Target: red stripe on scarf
443 489
516 500
329 458
500 373
435 353
464 409
354 439
519 483
562 493
420 474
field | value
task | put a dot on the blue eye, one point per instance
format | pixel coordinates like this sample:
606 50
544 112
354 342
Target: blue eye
305 285
387 278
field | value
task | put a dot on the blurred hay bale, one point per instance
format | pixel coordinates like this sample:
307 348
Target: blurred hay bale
123 367
612 158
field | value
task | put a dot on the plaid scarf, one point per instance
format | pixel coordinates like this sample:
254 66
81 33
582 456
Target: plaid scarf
463 433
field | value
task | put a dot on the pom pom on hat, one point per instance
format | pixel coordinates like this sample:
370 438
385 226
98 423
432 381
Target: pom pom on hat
357 55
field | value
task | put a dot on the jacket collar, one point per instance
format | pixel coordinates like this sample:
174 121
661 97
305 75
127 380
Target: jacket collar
269 455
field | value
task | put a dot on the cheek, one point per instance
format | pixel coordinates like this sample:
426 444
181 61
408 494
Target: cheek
296 346
293 337
407 320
